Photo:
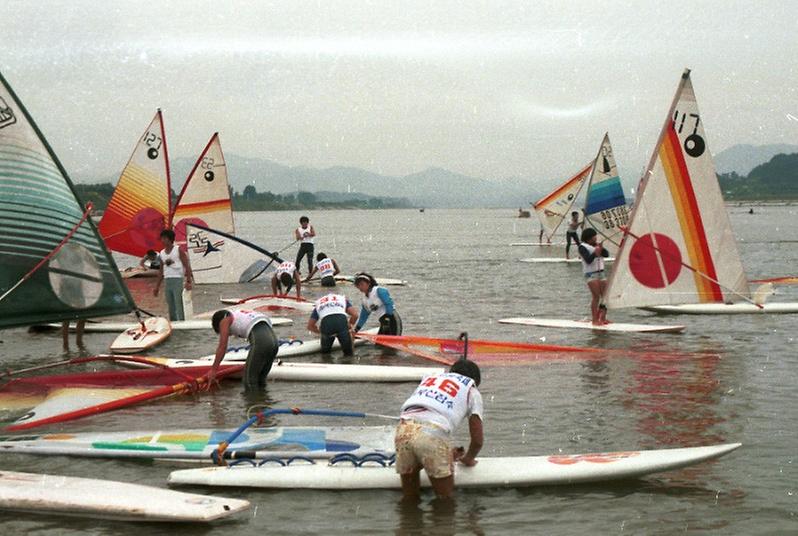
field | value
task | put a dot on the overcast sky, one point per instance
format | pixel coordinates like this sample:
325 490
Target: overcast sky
488 89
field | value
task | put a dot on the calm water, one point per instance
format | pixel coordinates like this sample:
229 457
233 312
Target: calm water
465 276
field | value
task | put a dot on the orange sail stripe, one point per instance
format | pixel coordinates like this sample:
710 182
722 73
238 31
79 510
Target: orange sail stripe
556 193
689 216
204 206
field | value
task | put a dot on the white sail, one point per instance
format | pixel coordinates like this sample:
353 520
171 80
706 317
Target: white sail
552 209
605 203
218 257
205 197
680 247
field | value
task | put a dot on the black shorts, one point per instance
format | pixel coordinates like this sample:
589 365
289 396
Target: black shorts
391 324
263 346
328 281
336 327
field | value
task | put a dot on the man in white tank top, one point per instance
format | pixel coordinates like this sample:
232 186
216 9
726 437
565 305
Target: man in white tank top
438 406
333 317
256 328
173 269
284 278
305 234
593 253
327 269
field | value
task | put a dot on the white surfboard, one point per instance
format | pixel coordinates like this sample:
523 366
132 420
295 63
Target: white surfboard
557 260
522 471
198 444
182 325
106 499
266 303
139 338
587 324
725 308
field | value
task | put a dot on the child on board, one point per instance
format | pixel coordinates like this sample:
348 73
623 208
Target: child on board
572 232
333 317
377 300
306 234
285 277
256 328
150 261
437 407
592 253
172 272
327 269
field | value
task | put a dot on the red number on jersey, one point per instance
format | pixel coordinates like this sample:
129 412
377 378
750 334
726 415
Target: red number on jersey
449 387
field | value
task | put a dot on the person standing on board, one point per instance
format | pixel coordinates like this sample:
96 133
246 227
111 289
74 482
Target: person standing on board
333 317
438 406
256 328
572 233
286 276
173 270
377 300
80 324
306 234
592 253
327 269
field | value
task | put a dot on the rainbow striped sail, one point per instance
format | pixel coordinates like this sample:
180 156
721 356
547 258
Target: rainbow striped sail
680 247
605 203
556 206
205 198
139 209
54 265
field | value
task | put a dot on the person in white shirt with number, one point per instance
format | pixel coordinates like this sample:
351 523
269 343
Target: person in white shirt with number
285 277
327 269
256 328
438 406
333 317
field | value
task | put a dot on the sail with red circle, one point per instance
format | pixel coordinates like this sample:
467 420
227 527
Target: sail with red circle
205 197
679 246
139 208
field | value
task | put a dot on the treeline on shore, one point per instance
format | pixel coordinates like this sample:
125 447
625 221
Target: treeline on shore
252 200
773 180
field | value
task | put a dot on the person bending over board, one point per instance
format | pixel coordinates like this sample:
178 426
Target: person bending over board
437 407
377 300
285 277
593 253
333 317
305 233
572 233
174 268
256 328
327 269
150 261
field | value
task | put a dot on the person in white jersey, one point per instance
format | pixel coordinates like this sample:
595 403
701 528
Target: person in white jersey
256 328
333 317
285 277
377 300
592 253
572 232
327 269
438 406
174 268
306 235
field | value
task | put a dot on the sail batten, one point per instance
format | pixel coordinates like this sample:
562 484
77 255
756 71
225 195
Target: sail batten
679 246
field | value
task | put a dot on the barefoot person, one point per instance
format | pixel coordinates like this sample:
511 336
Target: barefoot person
327 269
333 317
572 233
284 278
173 270
377 300
592 253
439 405
306 234
256 328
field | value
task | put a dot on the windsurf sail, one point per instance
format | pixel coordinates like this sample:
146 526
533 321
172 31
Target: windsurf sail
55 266
555 207
36 401
447 351
605 203
139 208
219 257
205 197
679 246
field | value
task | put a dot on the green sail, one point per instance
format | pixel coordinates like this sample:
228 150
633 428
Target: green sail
38 209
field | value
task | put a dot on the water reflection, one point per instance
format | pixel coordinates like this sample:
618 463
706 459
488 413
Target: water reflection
443 517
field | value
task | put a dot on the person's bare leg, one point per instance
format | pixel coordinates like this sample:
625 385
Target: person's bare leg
602 307
594 303
411 486
65 335
79 325
443 487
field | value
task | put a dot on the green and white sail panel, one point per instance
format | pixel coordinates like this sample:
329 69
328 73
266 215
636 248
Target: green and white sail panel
219 257
556 206
38 210
680 247
605 203
205 198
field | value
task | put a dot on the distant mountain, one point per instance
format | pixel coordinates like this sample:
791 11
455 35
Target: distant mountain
433 187
741 159
776 179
